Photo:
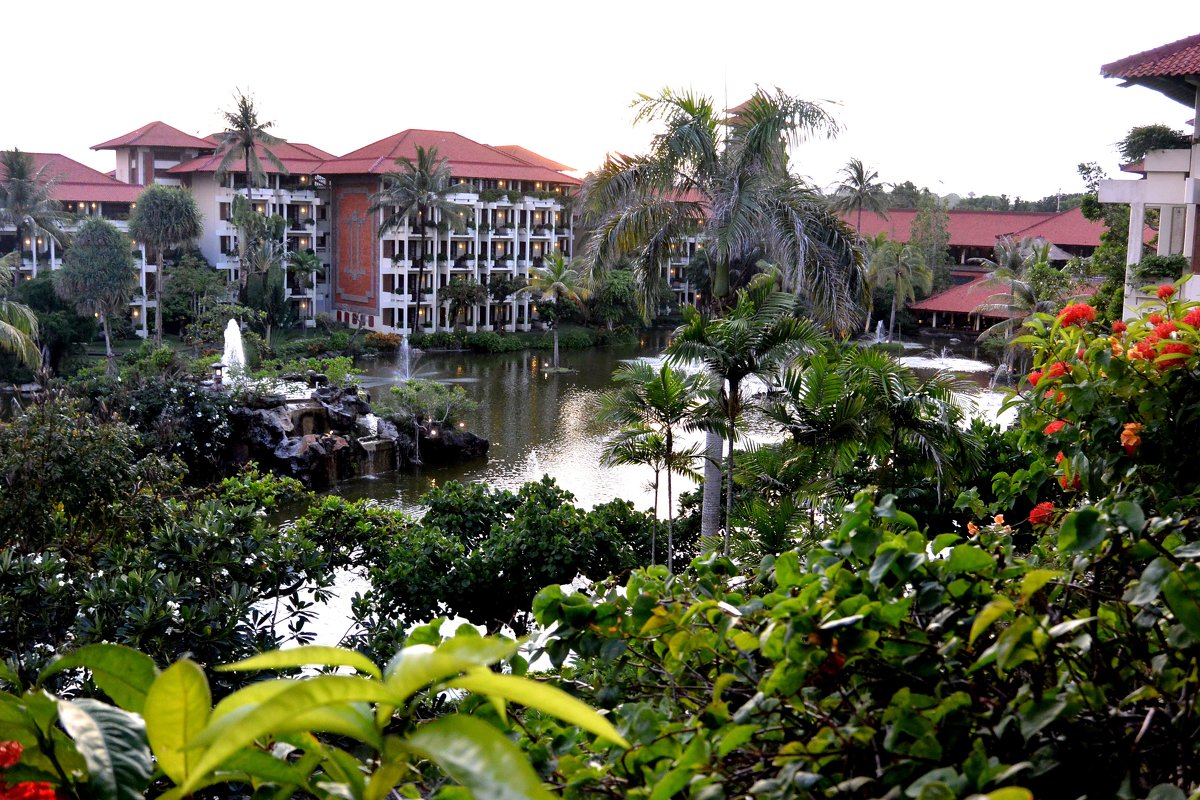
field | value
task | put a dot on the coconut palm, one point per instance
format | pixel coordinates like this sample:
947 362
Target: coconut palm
557 281
1030 286
244 136
164 217
860 189
757 335
656 401
725 179
901 267
18 323
420 187
27 201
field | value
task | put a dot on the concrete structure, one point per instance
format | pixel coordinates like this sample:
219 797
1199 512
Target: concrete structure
83 192
1170 178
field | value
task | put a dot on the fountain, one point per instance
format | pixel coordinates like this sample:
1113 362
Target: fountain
405 370
1000 373
234 358
879 332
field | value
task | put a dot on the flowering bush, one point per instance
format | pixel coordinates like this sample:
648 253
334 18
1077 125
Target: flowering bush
1116 404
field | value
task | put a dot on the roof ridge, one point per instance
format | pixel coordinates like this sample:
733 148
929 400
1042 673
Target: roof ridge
1111 70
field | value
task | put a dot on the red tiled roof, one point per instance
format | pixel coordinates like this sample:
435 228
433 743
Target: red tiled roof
982 228
1177 58
156 134
468 158
299 158
964 298
533 158
75 181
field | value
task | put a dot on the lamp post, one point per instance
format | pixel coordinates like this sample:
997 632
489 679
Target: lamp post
218 374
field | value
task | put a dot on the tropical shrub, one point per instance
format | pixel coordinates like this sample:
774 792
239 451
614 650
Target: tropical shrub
424 402
347 736
386 342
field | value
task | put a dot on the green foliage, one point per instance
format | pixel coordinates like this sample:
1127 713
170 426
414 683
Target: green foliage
1156 267
179 418
1144 138
167 719
193 284
417 401
930 235
62 331
463 293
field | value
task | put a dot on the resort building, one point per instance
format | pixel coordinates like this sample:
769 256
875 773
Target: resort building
1170 179
514 212
83 192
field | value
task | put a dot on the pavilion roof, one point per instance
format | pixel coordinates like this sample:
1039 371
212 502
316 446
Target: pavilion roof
156 134
299 158
75 181
1171 69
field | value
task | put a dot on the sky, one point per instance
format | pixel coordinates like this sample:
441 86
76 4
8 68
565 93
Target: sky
990 98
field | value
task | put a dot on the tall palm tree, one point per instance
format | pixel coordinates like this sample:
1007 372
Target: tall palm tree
725 179
860 189
657 401
902 267
1016 268
757 335
27 201
164 217
420 187
244 136
18 324
556 281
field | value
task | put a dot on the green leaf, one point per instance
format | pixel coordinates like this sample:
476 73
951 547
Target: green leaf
1035 579
265 767
305 656
1131 515
787 570
999 606
178 706
113 743
225 736
420 665
1181 590
673 782
1066 626
7 675
1079 531
734 738
1036 715
479 757
541 696
968 558
1008 793
1165 791
121 672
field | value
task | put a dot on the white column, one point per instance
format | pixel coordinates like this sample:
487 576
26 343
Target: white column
1137 222
1165 219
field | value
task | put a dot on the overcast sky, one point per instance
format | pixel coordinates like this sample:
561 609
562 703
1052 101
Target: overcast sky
984 97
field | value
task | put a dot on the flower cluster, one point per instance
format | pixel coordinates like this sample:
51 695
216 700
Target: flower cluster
1041 514
1077 314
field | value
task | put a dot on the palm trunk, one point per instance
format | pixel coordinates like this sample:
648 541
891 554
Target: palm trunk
556 361
892 324
710 503
670 520
654 527
158 282
731 409
110 366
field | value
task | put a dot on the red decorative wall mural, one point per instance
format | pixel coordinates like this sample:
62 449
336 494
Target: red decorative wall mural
355 250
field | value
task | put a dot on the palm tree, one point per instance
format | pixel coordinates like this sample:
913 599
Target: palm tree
556 281
18 324
757 335
421 187
244 136
901 267
98 275
164 217
725 179
27 201
657 401
860 189
1017 267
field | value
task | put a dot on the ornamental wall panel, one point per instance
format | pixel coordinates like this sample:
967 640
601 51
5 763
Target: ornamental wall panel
355 249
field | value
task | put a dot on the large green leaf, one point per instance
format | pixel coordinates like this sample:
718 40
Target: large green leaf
121 672
178 706
479 757
309 655
1080 531
1181 590
420 665
239 728
968 558
252 695
998 607
542 696
113 743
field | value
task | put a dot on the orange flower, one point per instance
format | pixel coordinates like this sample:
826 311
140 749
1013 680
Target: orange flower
1034 377
999 519
1116 346
1142 350
1166 292
1054 427
972 529
1130 439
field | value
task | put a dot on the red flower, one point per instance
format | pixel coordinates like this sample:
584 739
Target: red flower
1193 317
1079 314
29 790
1172 348
1142 350
1041 514
1058 458
1058 397
1119 327
10 753
1166 292
1054 427
1164 330
1155 318
1075 484
1056 370
1034 377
